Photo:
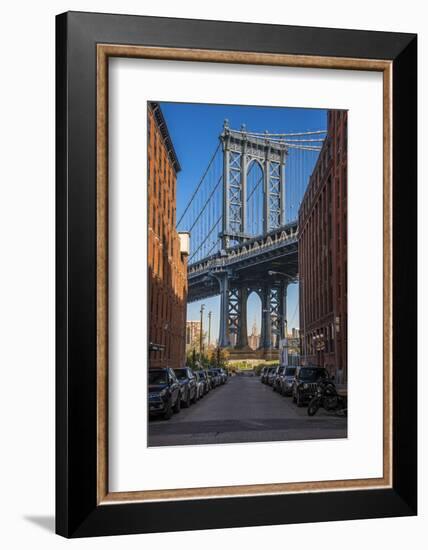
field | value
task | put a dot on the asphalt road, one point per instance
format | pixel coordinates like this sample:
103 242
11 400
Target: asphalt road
244 410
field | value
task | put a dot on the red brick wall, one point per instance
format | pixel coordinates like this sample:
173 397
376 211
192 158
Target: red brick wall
166 266
323 253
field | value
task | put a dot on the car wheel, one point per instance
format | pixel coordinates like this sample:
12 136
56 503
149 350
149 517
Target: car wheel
294 397
168 412
313 406
299 400
195 397
186 401
177 406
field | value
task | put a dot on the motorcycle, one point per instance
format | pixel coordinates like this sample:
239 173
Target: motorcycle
327 397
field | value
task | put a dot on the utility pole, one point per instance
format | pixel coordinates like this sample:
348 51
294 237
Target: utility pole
201 332
209 328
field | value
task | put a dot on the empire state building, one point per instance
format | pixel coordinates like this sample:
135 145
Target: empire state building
254 338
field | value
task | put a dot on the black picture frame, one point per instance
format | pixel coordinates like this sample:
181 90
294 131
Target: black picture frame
77 512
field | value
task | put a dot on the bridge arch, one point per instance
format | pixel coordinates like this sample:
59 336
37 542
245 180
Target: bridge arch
254 316
254 198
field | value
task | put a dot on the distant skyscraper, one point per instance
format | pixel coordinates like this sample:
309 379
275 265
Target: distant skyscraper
254 337
295 332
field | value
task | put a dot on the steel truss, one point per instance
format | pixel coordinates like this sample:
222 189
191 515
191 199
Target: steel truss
239 150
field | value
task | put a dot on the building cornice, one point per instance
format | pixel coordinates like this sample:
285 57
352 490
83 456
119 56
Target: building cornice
163 128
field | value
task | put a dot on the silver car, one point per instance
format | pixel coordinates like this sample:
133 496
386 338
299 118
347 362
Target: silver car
200 385
286 381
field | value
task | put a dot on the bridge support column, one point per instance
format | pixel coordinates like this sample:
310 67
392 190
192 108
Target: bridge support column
242 330
244 188
282 187
226 207
266 184
223 280
266 332
283 310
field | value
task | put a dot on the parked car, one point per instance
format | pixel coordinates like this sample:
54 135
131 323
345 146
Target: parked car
164 392
209 380
215 377
223 375
205 379
306 382
188 384
263 375
276 384
286 380
271 375
218 376
200 384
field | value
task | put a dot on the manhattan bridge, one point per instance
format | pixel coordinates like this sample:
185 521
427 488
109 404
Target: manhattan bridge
243 222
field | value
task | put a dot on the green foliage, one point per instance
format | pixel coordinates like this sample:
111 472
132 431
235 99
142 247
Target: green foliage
218 358
258 368
191 359
212 358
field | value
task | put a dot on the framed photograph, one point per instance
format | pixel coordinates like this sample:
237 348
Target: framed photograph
236 274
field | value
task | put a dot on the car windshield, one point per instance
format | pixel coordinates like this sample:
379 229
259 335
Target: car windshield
289 371
181 374
311 375
157 377
201 375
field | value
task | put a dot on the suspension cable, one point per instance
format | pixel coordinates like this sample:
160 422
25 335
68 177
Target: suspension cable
199 184
206 203
208 234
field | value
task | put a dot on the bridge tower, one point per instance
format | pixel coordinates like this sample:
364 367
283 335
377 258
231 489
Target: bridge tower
240 149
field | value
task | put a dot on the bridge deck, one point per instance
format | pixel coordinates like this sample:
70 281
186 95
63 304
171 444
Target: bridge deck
249 262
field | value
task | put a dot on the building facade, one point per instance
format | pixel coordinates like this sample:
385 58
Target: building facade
323 255
167 250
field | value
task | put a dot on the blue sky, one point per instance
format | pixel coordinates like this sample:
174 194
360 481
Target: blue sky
194 129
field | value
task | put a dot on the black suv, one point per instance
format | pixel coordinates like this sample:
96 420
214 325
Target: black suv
188 385
305 383
164 392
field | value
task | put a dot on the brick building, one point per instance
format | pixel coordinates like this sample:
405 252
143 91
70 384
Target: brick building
323 255
167 250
